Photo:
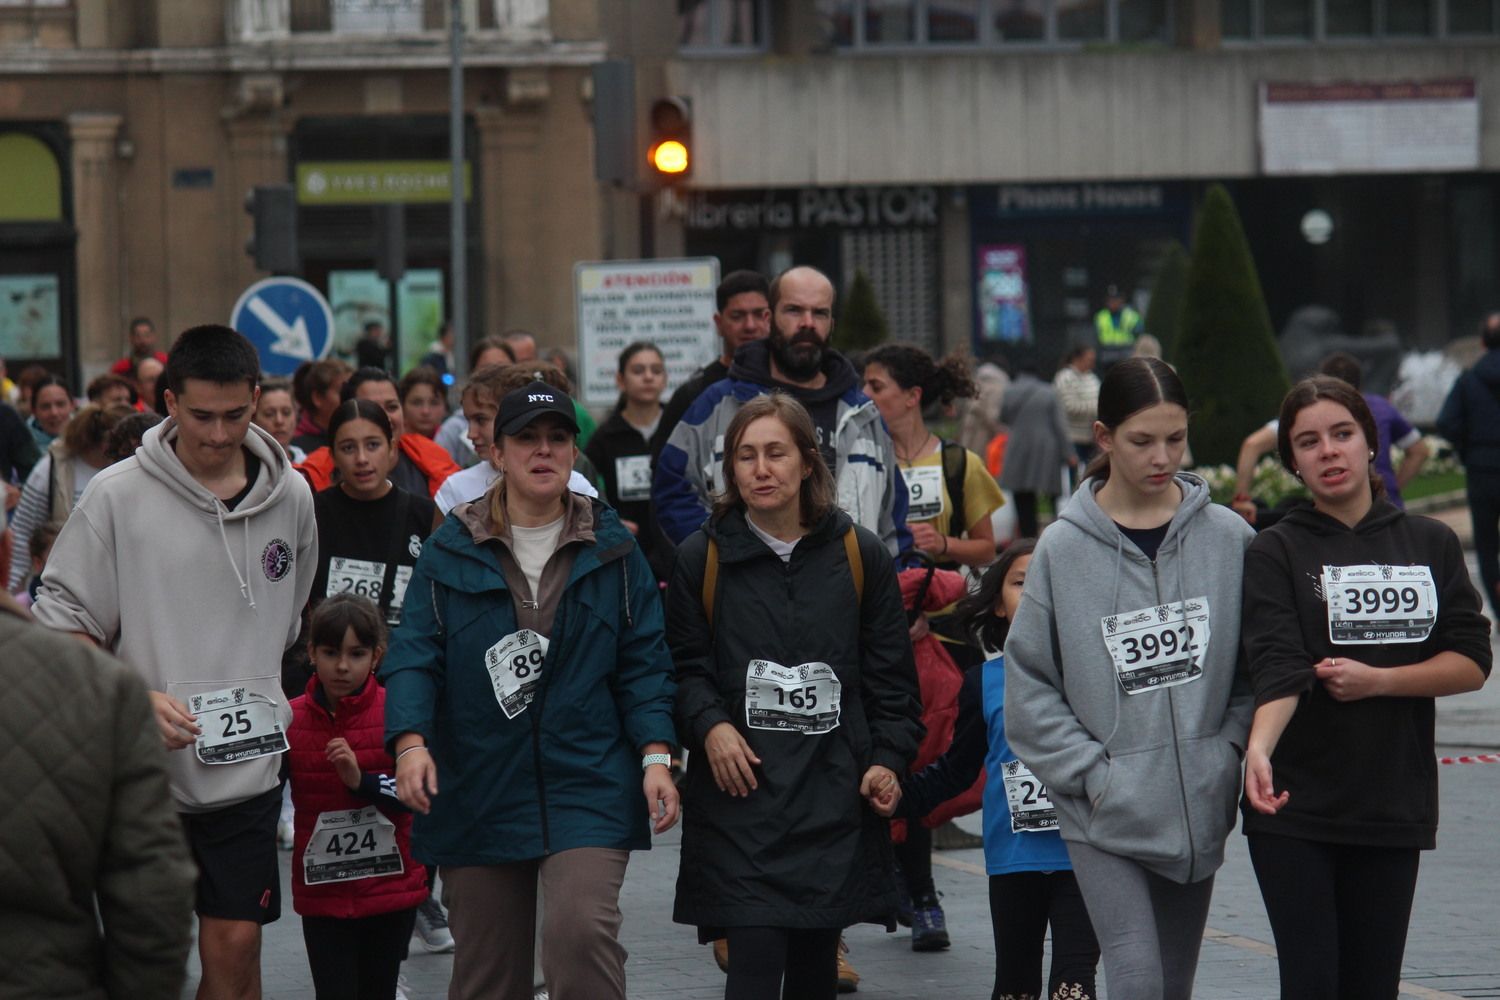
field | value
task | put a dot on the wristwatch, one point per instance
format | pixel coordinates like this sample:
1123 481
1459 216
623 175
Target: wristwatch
664 759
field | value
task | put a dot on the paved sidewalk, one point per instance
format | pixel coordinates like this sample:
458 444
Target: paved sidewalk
1451 952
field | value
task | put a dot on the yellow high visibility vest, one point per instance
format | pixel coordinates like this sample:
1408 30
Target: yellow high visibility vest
1122 334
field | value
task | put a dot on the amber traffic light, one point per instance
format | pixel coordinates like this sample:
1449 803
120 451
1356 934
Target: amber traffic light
670 154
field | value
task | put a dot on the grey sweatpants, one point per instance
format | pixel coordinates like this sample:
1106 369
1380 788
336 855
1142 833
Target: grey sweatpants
491 909
1150 928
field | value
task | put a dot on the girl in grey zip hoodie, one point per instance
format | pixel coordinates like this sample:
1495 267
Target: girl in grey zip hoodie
1126 694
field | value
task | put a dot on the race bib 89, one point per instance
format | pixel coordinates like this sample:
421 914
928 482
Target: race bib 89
515 667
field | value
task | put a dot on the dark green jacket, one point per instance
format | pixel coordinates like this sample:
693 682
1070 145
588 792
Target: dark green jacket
89 824
566 772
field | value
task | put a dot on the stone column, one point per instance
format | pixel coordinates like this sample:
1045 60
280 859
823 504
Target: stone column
96 215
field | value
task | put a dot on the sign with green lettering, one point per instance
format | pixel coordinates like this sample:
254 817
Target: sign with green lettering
376 182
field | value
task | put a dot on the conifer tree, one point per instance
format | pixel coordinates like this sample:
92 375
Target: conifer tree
861 324
1225 349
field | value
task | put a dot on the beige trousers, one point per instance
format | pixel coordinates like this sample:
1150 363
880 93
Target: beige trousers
492 913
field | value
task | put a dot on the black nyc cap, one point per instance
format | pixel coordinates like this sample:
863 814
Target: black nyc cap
520 407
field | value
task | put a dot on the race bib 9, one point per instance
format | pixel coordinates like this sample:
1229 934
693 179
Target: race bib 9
1031 810
1158 647
515 667
237 725
351 844
801 699
1380 605
924 492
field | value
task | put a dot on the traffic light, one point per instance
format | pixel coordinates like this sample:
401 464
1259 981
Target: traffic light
274 242
670 155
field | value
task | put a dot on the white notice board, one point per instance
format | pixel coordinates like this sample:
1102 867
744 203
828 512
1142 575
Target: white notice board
668 302
1343 128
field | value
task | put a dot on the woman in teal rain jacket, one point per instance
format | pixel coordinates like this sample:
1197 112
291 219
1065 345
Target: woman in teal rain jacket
529 707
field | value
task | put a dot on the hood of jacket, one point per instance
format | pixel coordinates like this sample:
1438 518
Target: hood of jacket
1381 513
737 542
158 458
1487 369
468 564
752 363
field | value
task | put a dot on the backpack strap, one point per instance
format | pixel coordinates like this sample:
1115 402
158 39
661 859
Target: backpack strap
711 573
710 581
856 565
955 464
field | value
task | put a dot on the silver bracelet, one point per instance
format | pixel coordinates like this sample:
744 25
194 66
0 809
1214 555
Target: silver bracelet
403 753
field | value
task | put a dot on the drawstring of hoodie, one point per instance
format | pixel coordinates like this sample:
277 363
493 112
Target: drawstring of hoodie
1114 609
224 537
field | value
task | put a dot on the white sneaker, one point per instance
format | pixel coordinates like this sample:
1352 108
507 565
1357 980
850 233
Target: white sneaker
432 926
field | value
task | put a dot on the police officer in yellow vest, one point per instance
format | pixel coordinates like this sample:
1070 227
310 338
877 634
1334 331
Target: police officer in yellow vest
1117 325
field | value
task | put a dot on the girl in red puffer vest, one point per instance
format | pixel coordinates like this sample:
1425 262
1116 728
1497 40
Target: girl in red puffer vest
356 885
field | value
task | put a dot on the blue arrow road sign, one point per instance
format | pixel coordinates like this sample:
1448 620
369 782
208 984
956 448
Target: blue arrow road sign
287 320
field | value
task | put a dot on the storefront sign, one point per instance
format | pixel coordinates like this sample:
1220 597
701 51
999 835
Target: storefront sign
376 182
1019 200
668 302
1339 128
811 208
1004 316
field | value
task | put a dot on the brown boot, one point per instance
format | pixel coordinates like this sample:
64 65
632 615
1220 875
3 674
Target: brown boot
848 978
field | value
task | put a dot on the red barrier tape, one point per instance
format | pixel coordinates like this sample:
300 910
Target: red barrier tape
1478 758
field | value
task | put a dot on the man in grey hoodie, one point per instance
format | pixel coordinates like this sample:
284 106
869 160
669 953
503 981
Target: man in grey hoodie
208 511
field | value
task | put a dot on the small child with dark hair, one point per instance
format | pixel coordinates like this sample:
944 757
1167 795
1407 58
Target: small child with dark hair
354 881
38 546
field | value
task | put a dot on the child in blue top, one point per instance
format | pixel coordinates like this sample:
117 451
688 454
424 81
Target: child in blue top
1031 878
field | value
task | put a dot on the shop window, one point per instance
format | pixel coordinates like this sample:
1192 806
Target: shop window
1236 19
902 266
722 24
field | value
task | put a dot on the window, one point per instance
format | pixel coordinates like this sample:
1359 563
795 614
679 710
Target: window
1336 20
722 24
876 23
1471 17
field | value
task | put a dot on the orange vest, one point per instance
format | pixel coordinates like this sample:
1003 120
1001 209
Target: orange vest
426 454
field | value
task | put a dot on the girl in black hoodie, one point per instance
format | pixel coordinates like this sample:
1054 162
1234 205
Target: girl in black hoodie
1356 617
621 448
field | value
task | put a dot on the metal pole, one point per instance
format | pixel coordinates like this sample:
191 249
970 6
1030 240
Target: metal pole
458 254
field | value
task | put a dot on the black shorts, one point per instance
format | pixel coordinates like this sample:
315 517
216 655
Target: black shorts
239 875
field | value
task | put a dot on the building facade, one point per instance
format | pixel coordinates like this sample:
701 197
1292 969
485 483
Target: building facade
131 131
992 165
